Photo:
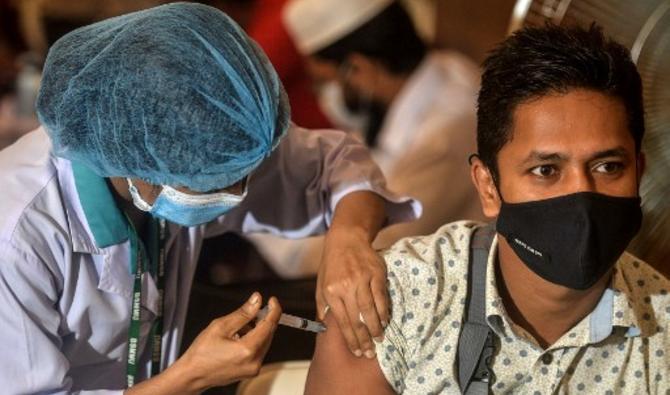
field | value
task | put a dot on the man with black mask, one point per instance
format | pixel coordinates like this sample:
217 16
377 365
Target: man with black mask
548 301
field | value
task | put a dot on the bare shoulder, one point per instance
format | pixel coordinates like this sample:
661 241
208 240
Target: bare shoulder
335 370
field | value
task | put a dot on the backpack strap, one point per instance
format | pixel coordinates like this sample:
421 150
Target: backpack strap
475 343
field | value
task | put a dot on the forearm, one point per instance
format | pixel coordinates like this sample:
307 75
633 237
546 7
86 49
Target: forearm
352 277
359 214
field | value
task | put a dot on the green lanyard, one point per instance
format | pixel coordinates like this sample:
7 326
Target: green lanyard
141 263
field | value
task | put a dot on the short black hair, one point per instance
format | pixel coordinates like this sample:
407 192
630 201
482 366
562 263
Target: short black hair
538 61
389 38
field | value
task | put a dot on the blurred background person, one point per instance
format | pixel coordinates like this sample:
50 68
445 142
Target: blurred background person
266 28
369 52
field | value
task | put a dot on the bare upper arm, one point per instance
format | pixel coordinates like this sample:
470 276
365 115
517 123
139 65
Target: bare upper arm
335 370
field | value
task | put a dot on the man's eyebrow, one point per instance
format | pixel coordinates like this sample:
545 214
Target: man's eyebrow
543 156
613 152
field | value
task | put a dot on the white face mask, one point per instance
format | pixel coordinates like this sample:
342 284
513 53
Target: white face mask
331 102
186 209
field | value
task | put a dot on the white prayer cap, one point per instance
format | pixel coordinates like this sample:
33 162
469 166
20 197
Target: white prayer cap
316 24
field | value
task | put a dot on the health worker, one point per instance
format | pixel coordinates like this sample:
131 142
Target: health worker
161 128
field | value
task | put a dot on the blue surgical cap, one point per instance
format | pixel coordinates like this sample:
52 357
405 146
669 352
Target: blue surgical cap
174 95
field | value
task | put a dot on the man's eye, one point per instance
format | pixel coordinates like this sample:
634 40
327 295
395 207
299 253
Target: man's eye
608 167
543 171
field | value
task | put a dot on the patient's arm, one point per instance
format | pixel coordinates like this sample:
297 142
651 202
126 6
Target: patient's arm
335 370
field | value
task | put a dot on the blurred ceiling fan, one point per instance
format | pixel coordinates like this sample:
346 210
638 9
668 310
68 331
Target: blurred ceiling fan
644 27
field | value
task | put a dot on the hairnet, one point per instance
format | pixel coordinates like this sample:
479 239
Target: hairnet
174 95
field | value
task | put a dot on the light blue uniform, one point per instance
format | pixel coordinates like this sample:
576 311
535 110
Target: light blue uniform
65 283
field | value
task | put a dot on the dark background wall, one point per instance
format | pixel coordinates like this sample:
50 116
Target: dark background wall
472 26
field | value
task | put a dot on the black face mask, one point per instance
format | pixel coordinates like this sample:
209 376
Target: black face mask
571 240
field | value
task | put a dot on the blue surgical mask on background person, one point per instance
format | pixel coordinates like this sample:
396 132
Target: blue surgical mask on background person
186 209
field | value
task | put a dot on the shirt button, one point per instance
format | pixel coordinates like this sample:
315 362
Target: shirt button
547 358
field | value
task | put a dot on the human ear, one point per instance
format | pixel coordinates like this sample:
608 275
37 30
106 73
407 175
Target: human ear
488 193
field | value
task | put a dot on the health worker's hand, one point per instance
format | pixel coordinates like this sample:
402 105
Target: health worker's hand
351 285
219 356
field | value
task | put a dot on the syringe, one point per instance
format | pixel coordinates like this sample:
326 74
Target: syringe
294 321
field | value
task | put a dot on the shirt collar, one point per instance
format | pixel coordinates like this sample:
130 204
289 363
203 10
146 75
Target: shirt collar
106 222
624 299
